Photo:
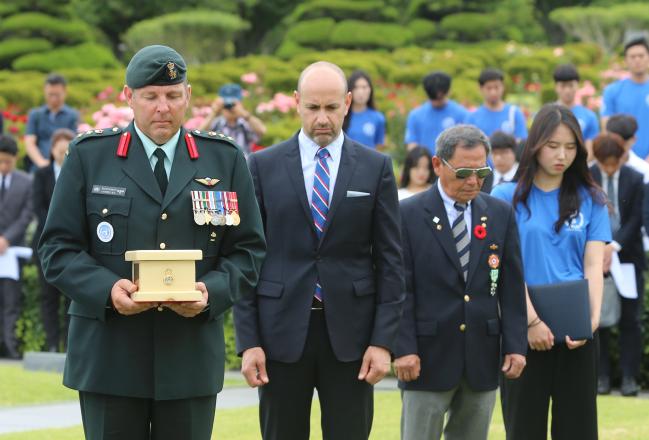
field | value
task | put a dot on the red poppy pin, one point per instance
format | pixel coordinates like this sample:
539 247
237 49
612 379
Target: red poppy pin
480 232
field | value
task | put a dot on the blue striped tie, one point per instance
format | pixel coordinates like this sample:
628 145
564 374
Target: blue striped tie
320 202
462 238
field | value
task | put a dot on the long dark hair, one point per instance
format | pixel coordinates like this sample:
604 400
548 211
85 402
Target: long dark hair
412 159
575 177
351 82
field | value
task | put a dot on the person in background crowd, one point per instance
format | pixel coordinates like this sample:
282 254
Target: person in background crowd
417 174
43 188
626 126
230 117
43 121
461 326
566 84
631 95
328 303
428 120
563 225
503 155
624 189
363 122
1 123
496 114
15 215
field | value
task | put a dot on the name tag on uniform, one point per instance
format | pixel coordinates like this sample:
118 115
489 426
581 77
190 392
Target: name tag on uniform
109 190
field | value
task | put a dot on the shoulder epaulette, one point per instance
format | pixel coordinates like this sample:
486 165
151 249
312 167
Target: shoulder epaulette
214 136
99 132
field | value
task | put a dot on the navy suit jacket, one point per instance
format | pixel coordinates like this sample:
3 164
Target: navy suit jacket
458 328
630 194
358 259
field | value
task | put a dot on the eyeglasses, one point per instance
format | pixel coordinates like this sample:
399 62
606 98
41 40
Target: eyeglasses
463 173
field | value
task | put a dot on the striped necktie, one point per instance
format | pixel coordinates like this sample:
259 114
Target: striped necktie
320 202
462 238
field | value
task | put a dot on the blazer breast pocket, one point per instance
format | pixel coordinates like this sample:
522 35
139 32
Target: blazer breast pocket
108 223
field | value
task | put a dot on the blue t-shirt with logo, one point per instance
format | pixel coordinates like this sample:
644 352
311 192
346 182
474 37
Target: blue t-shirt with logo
587 121
549 257
627 96
426 122
509 120
367 127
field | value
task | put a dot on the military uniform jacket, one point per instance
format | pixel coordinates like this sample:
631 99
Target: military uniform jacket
154 354
460 329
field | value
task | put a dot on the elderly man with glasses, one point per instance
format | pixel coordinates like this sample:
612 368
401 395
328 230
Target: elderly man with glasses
465 316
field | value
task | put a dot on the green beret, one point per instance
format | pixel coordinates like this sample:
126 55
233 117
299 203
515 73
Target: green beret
155 65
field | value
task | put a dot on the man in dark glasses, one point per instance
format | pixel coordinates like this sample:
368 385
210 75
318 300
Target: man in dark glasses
464 273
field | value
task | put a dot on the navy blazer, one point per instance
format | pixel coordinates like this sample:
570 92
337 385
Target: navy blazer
43 188
358 259
630 194
459 329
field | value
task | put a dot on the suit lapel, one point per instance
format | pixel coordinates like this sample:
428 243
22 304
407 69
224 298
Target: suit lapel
434 209
293 165
182 171
478 211
138 167
345 172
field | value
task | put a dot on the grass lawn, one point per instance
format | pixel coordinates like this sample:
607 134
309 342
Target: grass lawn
20 387
619 419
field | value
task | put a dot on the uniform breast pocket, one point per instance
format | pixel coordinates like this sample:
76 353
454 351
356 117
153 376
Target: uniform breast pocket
108 223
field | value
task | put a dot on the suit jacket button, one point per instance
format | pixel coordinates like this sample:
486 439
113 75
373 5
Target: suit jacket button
467 298
162 245
462 327
164 216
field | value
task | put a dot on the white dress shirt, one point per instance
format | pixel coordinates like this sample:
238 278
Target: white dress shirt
309 157
616 187
57 170
508 176
638 164
451 212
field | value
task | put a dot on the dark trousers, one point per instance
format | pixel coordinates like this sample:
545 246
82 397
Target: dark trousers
569 379
630 342
346 403
107 417
50 305
10 305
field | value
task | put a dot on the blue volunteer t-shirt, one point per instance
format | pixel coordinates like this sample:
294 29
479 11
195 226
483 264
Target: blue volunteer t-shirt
367 127
549 257
426 122
509 120
587 121
627 96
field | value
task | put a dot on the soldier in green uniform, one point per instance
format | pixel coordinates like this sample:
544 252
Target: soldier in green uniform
148 370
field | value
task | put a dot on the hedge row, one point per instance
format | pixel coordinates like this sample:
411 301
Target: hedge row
54 29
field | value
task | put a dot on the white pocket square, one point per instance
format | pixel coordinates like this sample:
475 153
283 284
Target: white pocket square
357 194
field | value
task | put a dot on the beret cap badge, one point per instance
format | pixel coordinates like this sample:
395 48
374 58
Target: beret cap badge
171 70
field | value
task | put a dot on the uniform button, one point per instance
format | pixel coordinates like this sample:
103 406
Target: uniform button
164 216
160 308
462 327
467 298
104 211
162 245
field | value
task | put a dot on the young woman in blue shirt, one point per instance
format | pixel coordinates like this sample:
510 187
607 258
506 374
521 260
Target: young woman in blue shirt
363 122
563 225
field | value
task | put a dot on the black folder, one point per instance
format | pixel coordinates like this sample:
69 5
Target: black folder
565 308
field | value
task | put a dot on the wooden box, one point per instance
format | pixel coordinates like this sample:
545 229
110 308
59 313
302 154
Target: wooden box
165 276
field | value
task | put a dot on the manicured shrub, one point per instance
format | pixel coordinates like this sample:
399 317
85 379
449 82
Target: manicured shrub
12 48
313 33
57 30
467 26
355 34
87 55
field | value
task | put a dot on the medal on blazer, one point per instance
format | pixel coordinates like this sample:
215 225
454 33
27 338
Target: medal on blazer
220 205
494 264
236 220
228 211
199 208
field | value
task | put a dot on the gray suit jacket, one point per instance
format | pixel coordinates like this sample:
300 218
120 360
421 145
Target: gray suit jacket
16 208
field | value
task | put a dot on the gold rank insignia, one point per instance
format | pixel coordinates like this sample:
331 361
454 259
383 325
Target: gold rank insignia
208 181
171 70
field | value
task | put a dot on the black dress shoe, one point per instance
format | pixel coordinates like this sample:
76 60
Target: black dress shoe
604 385
629 387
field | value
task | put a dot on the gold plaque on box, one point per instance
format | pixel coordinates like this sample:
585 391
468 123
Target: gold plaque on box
165 276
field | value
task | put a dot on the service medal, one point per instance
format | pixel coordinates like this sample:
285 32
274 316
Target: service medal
199 219
236 220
